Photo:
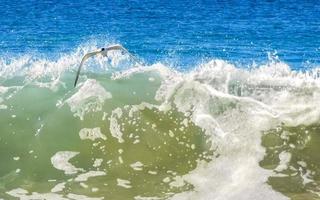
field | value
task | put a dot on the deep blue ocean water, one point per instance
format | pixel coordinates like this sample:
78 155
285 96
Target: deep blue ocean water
181 33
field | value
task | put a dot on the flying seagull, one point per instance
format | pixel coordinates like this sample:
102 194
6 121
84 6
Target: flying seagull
103 52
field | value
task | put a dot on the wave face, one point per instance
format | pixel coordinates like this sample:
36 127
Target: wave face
151 132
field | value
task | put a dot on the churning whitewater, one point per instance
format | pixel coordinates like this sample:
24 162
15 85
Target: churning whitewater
128 131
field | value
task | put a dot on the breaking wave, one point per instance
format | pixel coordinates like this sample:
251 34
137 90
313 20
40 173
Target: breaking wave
128 131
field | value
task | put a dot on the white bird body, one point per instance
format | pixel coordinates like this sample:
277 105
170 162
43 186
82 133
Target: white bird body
103 52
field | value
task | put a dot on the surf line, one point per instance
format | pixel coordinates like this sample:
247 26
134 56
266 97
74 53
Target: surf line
104 52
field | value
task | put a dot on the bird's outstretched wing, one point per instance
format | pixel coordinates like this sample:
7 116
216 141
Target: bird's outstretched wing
130 54
104 52
85 57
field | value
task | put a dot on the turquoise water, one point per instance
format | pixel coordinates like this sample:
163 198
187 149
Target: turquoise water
224 106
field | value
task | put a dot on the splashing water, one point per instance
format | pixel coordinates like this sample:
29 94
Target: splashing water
150 132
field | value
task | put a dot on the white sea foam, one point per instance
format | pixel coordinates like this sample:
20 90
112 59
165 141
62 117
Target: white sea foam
60 161
91 134
25 195
82 197
115 128
123 183
59 187
147 198
41 71
221 101
85 176
284 158
89 98
138 166
97 162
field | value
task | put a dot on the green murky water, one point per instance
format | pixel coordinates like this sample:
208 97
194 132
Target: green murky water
110 139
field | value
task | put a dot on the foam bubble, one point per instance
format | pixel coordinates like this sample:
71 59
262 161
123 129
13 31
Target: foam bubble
97 162
137 166
123 183
85 176
91 134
